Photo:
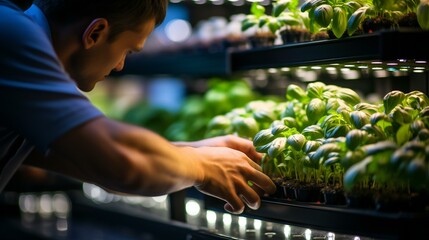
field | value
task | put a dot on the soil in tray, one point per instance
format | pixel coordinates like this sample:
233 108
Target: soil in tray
401 201
289 189
262 40
418 201
286 189
376 24
409 21
334 195
293 190
392 202
360 199
309 192
279 182
295 35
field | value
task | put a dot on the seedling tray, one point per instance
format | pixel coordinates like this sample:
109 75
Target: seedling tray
338 219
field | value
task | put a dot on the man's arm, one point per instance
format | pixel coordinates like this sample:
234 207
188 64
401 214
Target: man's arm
134 160
230 141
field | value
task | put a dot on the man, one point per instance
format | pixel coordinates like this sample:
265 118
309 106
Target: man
45 120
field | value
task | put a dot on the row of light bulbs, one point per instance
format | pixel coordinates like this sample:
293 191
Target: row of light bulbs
222 222
220 2
194 210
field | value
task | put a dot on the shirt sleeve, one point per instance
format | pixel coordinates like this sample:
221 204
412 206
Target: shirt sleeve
37 98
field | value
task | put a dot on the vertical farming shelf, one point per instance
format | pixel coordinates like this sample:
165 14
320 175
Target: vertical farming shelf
409 47
364 222
406 51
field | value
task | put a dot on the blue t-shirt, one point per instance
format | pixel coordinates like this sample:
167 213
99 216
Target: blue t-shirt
39 102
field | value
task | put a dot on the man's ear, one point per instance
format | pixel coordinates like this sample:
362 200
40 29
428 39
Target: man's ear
94 32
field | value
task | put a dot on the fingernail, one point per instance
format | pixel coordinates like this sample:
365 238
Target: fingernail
253 206
229 209
257 205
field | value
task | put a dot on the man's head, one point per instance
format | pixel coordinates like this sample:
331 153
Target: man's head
93 37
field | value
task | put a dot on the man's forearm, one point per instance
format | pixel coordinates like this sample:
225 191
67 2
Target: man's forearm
134 160
119 157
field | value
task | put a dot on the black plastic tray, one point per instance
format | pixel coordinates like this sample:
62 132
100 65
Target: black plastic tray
178 64
362 222
380 46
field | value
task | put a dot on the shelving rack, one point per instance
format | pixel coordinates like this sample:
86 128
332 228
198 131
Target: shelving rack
179 63
390 51
363 222
405 48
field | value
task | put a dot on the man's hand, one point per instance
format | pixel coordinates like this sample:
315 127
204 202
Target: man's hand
230 141
232 176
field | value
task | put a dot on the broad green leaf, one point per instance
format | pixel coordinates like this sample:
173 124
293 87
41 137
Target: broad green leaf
339 22
288 20
257 10
355 20
352 6
277 146
417 171
315 90
323 15
355 173
296 141
423 15
263 137
311 4
262 21
247 24
392 99
295 92
279 7
404 134
273 26
315 110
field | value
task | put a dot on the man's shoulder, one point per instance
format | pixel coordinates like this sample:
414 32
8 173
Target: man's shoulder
36 14
8 4
9 12
15 25
22 40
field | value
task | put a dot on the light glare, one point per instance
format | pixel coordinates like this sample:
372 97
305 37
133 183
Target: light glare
178 30
192 208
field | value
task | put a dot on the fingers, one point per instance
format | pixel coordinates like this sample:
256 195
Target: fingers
250 197
256 188
249 193
257 177
234 204
232 210
262 181
253 154
245 146
254 184
254 165
233 177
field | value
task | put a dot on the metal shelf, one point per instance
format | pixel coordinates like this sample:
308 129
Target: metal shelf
178 63
369 223
382 46
382 50
403 48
